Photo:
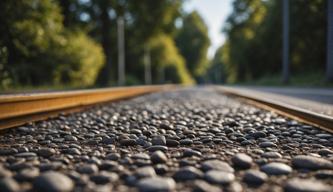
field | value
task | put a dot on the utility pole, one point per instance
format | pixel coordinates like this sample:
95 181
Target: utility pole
146 61
121 51
329 57
285 43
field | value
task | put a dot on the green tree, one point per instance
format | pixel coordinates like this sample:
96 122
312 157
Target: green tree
35 46
193 43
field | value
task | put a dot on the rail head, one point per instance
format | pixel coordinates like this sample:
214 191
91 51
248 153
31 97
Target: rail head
18 109
322 121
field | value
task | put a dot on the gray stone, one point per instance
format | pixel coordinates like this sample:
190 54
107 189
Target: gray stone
158 157
216 165
46 152
242 160
158 140
276 169
104 177
87 169
187 173
219 177
203 186
306 185
146 171
156 184
157 148
53 182
267 144
254 177
310 162
9 185
271 154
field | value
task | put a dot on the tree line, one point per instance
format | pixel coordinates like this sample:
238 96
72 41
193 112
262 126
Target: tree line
253 48
74 42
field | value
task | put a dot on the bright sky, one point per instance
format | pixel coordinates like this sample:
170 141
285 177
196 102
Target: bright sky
214 12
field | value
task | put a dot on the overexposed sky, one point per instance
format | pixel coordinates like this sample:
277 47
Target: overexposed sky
214 12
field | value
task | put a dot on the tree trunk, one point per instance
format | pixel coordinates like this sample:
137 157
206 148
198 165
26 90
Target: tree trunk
104 77
329 61
285 37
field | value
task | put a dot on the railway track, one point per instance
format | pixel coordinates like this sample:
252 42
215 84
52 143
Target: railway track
190 139
18 109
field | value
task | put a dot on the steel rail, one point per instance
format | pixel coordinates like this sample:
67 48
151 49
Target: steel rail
19 109
319 120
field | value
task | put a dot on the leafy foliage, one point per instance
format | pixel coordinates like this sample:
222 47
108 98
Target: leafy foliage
193 42
253 47
37 49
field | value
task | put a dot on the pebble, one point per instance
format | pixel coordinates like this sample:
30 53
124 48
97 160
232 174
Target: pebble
154 184
203 186
26 154
46 152
271 154
53 182
87 169
216 165
172 143
242 160
267 144
310 162
187 173
276 169
157 148
254 177
219 177
9 185
127 142
158 157
158 140
306 185
146 171
104 177
191 152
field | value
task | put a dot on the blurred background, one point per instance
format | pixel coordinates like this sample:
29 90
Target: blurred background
67 44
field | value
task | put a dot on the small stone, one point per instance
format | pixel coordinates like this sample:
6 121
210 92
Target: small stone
9 185
87 169
113 156
104 177
254 177
163 184
127 142
53 182
191 152
271 154
157 147
4 172
267 144
158 157
46 152
27 174
158 140
172 143
325 152
216 165
242 160
146 171
219 177
306 185
186 142
8 151
276 169
324 174
203 186
26 154
310 162
187 173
